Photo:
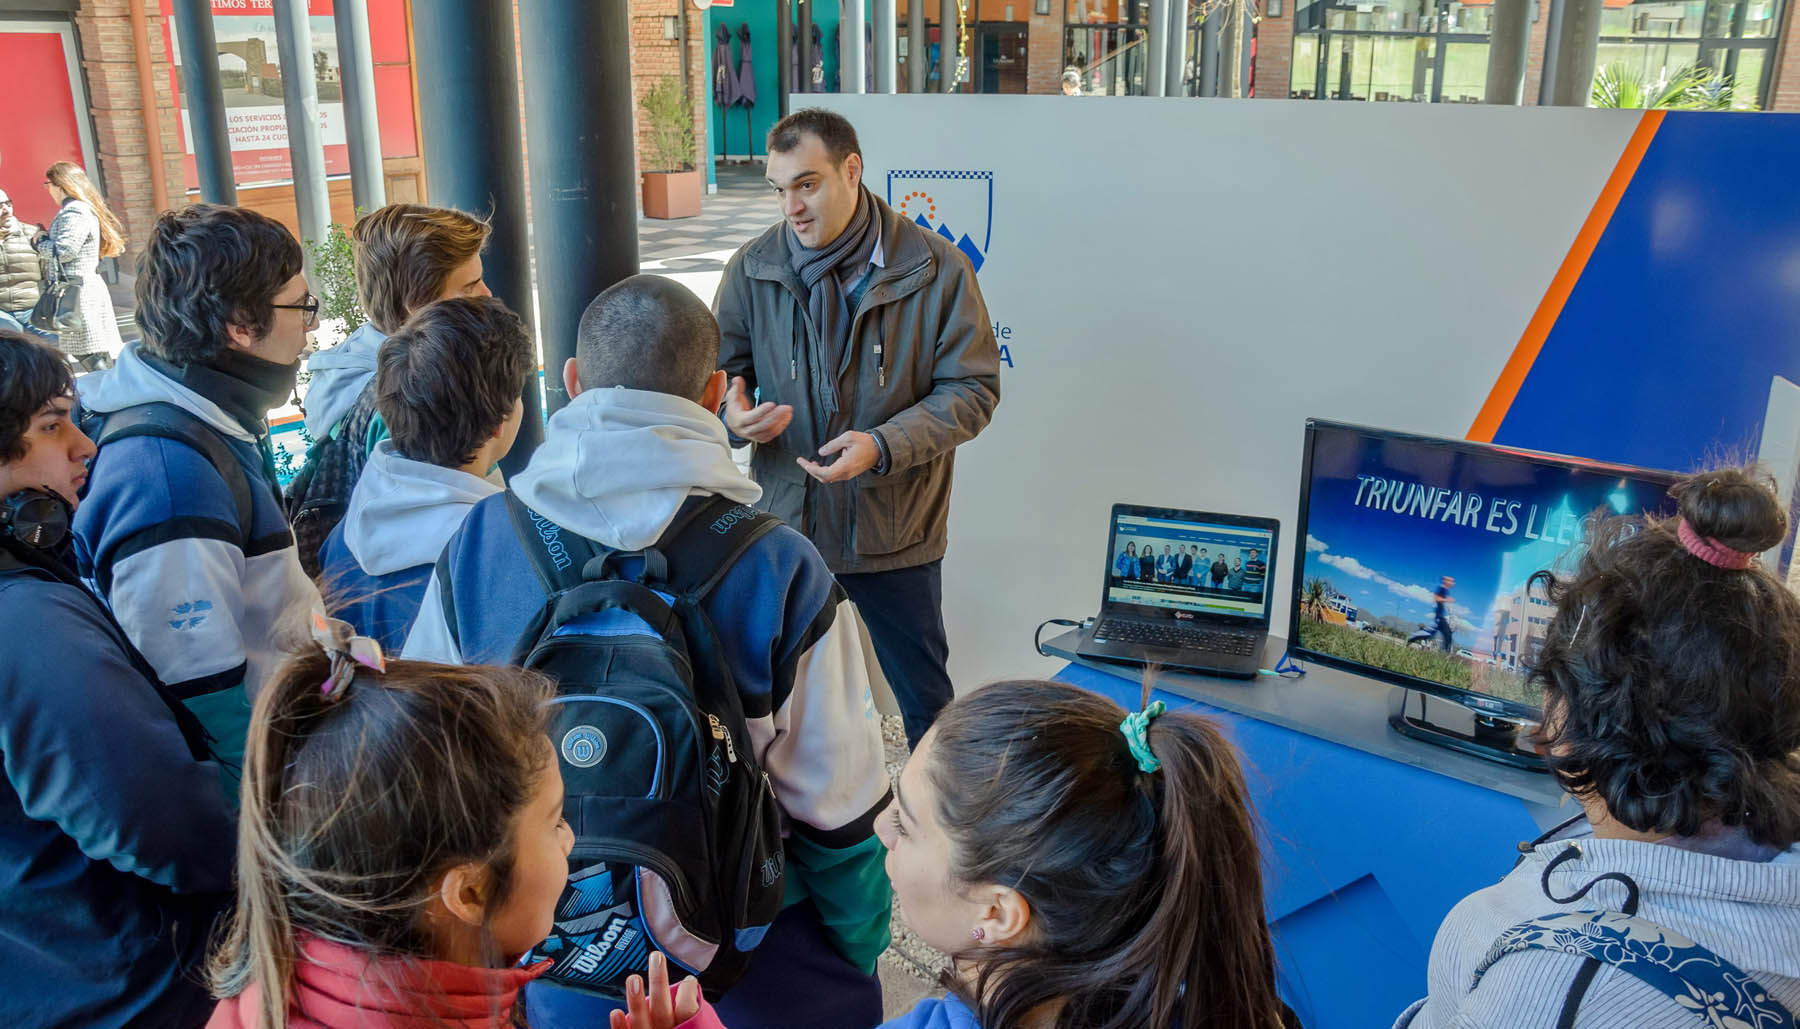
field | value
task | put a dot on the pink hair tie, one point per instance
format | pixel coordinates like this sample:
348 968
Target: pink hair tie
1712 551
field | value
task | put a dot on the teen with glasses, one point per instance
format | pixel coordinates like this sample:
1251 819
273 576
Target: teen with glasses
182 531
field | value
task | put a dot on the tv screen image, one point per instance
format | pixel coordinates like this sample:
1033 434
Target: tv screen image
1416 556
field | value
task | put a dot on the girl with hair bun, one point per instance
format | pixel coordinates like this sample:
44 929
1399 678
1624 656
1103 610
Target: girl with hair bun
1671 678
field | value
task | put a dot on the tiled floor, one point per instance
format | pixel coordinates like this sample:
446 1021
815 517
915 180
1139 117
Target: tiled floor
741 209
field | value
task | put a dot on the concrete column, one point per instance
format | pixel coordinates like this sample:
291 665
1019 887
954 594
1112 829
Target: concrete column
1577 35
803 74
852 72
368 182
887 67
300 100
1156 77
206 100
474 157
1178 41
784 44
1209 53
949 43
583 181
1508 51
918 47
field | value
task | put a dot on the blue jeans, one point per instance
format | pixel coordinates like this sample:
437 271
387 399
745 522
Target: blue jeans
904 610
20 321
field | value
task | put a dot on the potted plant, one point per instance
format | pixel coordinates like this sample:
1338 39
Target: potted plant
671 182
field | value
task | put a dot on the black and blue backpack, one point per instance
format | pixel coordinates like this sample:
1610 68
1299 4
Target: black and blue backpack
677 831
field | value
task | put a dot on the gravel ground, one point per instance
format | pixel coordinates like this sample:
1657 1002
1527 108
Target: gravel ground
910 968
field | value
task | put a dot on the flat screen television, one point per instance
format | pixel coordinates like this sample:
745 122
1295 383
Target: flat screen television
1414 560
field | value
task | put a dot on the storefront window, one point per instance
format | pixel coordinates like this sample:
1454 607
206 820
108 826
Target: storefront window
1391 50
1657 40
1106 41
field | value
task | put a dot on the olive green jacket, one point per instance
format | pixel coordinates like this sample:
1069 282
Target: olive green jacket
922 368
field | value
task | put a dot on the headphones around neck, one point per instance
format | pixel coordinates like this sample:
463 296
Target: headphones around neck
38 518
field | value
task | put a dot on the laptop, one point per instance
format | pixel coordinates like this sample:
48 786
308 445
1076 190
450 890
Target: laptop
1198 602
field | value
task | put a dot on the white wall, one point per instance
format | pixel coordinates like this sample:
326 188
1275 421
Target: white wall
1186 281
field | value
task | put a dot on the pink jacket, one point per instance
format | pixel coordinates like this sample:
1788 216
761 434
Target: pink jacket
338 987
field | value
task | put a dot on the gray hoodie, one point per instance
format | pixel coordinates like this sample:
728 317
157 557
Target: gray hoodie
339 376
1746 911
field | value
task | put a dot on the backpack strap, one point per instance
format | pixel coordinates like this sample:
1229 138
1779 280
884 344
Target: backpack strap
706 539
167 421
558 556
1715 990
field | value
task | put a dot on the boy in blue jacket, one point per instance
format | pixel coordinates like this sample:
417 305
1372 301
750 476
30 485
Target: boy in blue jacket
447 385
116 842
205 590
639 438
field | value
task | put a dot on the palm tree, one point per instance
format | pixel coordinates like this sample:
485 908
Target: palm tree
1313 597
1691 88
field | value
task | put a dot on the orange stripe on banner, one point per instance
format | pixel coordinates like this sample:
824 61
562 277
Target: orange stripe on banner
1506 388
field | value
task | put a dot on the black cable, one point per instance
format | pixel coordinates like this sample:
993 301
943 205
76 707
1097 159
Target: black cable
1037 638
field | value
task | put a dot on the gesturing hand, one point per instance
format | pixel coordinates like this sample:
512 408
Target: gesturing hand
657 1010
857 453
758 424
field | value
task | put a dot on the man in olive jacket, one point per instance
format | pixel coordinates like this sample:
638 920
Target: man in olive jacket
21 270
871 357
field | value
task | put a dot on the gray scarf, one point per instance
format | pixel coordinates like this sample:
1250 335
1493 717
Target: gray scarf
827 273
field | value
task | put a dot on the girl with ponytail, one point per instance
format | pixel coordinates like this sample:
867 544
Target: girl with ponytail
1085 868
401 845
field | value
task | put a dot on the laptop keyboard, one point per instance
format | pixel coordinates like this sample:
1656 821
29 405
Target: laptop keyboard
1165 634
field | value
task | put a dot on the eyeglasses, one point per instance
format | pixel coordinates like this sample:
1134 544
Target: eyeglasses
309 304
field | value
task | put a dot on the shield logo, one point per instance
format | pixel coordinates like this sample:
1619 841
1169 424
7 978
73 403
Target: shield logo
957 205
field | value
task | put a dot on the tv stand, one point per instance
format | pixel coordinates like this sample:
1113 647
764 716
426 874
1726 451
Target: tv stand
1489 737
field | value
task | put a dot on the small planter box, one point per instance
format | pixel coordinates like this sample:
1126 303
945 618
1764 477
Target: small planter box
671 194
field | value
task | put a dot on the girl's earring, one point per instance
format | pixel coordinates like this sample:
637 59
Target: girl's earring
979 934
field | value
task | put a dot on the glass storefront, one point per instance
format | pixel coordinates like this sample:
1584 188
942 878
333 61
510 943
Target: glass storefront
1401 50
1437 50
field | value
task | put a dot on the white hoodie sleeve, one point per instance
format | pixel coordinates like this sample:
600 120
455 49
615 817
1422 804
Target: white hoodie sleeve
822 746
430 638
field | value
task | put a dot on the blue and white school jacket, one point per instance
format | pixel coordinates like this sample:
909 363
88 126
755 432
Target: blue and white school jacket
615 467
379 557
158 538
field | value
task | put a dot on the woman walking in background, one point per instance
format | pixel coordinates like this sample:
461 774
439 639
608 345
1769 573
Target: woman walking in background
83 232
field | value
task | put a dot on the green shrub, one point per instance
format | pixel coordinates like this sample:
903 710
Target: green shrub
668 127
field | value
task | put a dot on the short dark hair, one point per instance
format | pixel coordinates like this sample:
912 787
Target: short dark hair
832 129
404 252
1672 687
32 374
208 267
650 333
450 377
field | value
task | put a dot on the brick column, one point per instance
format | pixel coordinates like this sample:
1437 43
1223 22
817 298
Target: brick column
109 59
653 57
1275 53
1784 88
1043 49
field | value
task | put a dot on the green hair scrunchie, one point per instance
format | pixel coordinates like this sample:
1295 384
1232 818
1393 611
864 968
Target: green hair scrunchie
1136 728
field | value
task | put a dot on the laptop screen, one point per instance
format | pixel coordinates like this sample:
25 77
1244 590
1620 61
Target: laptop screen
1189 564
